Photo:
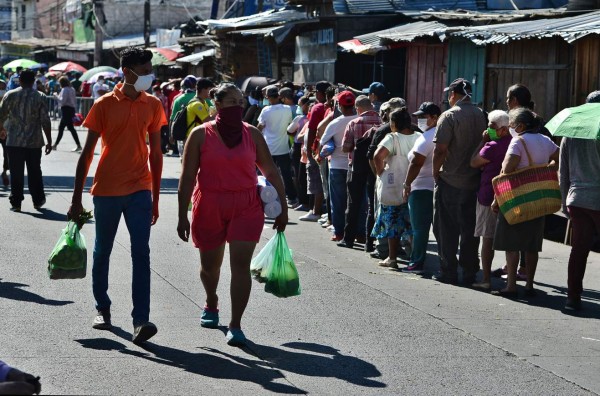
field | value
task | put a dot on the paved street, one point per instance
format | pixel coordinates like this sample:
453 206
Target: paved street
356 328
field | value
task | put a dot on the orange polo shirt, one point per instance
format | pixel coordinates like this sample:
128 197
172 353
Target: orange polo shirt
123 124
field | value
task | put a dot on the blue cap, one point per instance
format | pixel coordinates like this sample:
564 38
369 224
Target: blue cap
189 82
376 88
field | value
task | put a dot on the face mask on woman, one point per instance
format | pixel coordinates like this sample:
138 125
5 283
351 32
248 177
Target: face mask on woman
265 102
230 125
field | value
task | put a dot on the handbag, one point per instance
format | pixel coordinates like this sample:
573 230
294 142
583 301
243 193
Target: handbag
527 193
389 183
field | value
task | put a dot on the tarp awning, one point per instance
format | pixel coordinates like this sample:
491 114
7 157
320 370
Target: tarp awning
132 40
278 33
198 57
267 18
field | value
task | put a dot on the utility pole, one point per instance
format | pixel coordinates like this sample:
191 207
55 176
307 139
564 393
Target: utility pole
98 22
146 23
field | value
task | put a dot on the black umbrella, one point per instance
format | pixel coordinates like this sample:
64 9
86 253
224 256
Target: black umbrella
251 83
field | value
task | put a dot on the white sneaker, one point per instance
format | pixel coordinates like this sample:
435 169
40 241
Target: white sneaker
310 216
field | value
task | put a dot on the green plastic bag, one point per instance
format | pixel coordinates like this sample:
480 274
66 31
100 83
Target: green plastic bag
68 259
277 268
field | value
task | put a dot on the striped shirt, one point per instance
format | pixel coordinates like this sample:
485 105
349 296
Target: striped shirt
24 113
357 128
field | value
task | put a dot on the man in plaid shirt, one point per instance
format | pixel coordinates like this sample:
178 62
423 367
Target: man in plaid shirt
356 210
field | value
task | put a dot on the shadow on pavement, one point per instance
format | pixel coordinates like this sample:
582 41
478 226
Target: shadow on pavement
264 368
208 365
15 291
47 214
321 361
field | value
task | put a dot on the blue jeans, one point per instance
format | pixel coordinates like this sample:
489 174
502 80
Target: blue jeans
137 210
420 207
338 196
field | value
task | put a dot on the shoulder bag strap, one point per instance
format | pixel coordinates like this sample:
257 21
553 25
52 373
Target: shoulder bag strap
526 150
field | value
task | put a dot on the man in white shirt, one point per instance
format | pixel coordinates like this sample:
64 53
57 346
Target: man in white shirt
273 122
100 88
338 162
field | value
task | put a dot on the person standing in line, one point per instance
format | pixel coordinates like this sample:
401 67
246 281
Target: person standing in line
488 157
219 174
391 218
358 168
5 178
381 250
294 130
458 134
419 184
273 122
580 190
313 171
24 115
338 163
67 100
123 184
529 148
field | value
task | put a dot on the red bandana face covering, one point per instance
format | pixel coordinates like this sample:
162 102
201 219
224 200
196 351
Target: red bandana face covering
229 124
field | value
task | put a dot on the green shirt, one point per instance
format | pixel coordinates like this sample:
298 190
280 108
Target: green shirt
181 101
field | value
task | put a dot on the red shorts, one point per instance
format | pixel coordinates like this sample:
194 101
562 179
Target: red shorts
218 217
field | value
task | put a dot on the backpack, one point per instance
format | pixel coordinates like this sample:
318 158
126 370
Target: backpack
179 126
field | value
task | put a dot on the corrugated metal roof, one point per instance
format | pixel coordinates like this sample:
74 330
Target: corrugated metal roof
568 28
267 18
411 31
376 41
394 6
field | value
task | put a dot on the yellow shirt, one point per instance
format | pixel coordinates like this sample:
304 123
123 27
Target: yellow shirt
197 113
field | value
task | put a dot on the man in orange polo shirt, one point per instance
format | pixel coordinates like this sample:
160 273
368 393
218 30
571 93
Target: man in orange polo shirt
123 184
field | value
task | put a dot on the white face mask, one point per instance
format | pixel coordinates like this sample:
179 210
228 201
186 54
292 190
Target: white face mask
143 83
513 131
422 124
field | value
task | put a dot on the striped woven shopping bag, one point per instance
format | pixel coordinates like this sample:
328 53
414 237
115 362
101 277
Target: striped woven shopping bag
527 193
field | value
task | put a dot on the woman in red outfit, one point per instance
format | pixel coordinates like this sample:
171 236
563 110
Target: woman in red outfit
220 159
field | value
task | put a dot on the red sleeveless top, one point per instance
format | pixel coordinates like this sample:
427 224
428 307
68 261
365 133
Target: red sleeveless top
224 169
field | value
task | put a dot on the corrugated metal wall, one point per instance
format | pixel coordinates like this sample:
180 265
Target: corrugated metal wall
468 61
426 70
587 68
543 65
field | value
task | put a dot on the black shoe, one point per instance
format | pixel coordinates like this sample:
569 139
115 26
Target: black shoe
15 208
38 206
573 304
530 292
469 280
102 321
377 255
345 244
443 278
369 247
144 332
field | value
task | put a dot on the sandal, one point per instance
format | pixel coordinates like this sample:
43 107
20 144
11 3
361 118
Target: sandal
498 272
389 263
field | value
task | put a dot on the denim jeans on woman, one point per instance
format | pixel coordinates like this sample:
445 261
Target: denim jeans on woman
338 196
420 206
137 210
